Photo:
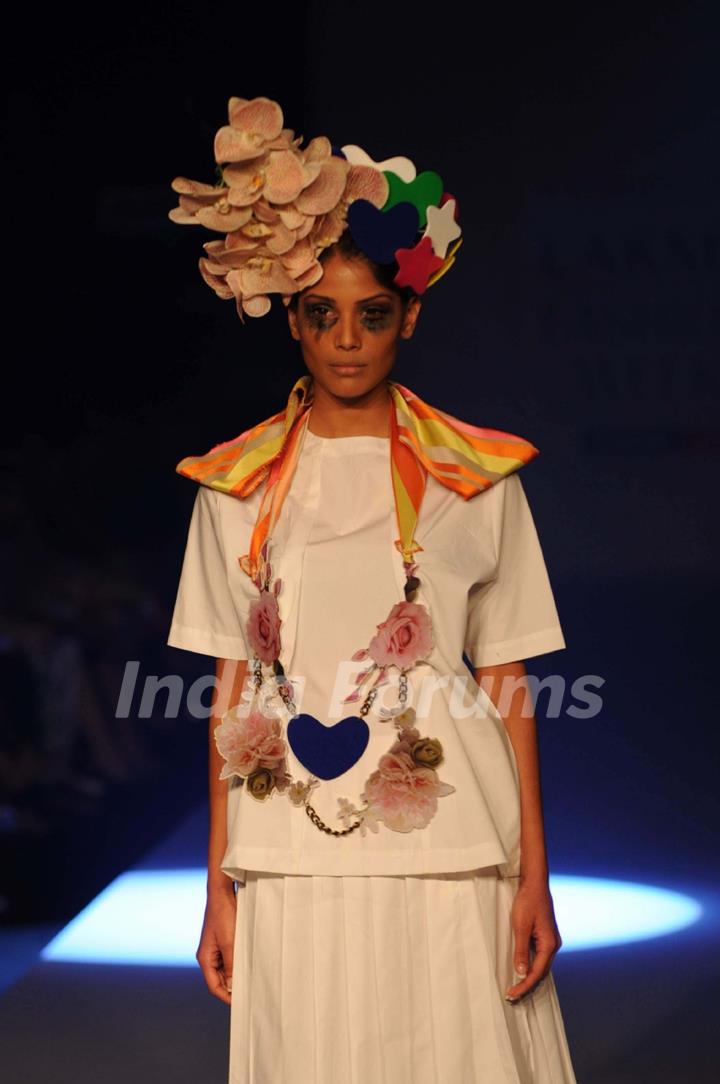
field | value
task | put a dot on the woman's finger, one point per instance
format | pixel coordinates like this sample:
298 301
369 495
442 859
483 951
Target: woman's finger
212 965
523 947
546 949
227 970
215 980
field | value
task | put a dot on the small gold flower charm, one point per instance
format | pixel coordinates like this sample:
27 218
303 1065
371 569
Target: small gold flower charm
406 718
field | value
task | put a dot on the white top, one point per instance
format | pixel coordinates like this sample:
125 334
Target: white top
484 580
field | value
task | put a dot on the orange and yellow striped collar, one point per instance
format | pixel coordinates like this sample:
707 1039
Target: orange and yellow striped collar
465 458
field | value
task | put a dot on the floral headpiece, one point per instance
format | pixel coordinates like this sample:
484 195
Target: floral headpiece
280 206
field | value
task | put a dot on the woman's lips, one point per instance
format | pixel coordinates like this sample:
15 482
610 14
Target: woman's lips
347 369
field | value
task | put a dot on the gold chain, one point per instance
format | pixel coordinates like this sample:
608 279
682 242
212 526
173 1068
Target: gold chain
324 827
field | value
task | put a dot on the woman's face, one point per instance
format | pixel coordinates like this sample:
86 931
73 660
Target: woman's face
349 327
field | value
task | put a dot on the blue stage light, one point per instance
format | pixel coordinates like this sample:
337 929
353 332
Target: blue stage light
143 917
594 912
155 918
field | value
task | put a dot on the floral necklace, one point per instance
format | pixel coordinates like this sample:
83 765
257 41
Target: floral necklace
403 790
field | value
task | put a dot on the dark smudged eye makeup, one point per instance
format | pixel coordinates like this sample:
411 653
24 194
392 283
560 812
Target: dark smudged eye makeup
374 316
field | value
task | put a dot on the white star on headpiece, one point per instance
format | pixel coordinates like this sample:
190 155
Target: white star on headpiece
403 167
442 227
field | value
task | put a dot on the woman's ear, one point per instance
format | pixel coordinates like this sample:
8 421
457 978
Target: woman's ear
410 318
292 323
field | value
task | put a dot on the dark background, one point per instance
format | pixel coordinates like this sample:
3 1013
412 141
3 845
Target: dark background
581 313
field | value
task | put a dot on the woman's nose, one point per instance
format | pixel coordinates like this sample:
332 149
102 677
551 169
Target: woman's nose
347 332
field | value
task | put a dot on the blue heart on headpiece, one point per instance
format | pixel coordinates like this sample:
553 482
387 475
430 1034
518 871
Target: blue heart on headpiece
380 233
328 751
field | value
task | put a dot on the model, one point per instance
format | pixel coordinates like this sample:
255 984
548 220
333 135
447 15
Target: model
378 903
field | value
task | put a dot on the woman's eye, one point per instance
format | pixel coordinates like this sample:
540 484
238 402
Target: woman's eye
373 314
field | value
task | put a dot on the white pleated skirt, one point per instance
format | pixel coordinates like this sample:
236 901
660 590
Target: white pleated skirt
389 980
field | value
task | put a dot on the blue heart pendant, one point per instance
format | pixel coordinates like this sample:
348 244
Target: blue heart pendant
328 751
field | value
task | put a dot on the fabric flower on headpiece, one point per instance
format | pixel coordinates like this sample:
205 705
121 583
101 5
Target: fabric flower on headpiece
279 206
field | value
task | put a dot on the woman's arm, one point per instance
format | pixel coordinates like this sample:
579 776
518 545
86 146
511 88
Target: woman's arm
533 912
230 678
215 951
507 687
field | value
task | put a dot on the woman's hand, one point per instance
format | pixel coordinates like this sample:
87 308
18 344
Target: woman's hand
533 920
215 951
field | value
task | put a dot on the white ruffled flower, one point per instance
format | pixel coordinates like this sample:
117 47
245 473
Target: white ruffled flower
346 810
267 694
398 714
299 792
366 815
369 821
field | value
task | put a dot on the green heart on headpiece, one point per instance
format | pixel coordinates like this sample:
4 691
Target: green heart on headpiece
424 191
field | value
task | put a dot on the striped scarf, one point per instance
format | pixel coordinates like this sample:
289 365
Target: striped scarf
463 457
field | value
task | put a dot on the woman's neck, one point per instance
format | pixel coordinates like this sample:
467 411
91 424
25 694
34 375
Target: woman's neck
367 416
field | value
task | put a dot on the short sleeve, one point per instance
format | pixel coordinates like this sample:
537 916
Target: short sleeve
205 618
513 616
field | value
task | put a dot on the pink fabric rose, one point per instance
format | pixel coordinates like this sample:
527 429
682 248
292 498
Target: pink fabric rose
404 637
403 795
263 627
249 743
405 740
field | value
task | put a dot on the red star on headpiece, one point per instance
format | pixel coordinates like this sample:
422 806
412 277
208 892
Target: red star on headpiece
417 265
